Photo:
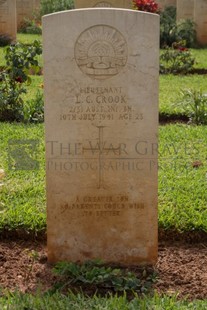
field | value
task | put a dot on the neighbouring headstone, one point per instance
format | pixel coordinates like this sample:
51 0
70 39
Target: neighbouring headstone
101 115
185 9
200 19
170 2
26 10
8 18
108 3
165 3
161 4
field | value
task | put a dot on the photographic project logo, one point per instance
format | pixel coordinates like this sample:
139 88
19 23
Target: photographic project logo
22 154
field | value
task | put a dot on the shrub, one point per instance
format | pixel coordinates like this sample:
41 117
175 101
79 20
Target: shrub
171 32
51 6
167 26
146 5
30 26
34 109
5 40
185 30
19 60
194 102
177 59
94 274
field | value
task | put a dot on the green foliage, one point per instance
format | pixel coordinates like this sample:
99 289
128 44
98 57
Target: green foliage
195 103
171 31
200 56
30 26
34 109
177 59
185 30
52 6
170 88
28 38
5 40
19 60
167 26
95 273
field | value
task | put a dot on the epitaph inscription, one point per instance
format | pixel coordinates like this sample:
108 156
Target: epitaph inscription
101 52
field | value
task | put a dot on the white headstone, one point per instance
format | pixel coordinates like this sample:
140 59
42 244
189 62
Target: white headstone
200 18
8 18
101 91
26 10
185 9
165 3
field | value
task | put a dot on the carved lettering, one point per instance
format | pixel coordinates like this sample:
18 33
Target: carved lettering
102 205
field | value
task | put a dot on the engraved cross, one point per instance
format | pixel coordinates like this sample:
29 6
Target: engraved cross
101 151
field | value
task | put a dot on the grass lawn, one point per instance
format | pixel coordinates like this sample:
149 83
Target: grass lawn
23 195
182 186
37 84
200 56
28 38
171 87
19 301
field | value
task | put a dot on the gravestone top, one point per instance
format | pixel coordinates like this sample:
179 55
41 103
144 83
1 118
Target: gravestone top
101 114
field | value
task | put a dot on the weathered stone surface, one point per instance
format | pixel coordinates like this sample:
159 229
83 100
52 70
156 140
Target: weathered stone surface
185 9
101 93
127 4
200 19
8 18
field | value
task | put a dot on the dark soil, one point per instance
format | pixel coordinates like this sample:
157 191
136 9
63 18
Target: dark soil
182 268
173 118
199 71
